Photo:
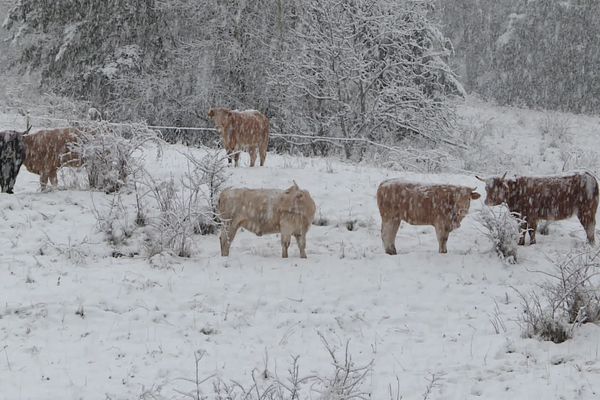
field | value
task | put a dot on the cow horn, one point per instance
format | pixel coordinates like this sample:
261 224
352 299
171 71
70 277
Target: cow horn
504 176
295 184
28 123
479 179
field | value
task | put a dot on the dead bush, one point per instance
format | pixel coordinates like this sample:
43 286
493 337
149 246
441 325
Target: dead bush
185 207
570 296
112 152
502 227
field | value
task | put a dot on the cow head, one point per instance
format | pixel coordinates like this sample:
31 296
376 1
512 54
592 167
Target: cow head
462 205
496 189
218 114
295 199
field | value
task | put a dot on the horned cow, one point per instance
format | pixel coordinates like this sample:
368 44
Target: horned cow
49 150
266 211
12 155
443 206
242 130
551 198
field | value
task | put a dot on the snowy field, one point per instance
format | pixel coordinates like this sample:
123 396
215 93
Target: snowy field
77 323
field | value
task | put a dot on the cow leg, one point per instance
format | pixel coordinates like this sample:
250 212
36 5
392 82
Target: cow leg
588 221
442 237
532 230
43 180
301 240
228 232
12 180
285 244
262 150
53 177
389 229
252 152
523 233
9 184
236 158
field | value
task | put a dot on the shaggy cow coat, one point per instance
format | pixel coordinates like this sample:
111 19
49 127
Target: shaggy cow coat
242 130
443 206
551 198
49 150
266 211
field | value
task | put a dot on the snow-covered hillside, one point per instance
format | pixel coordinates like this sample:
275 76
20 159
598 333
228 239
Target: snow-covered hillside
78 323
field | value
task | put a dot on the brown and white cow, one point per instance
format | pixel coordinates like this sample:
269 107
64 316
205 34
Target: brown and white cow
443 206
549 198
265 211
242 130
48 150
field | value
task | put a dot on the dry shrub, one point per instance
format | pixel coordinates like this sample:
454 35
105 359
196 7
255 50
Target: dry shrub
345 382
568 298
112 152
502 227
555 129
184 207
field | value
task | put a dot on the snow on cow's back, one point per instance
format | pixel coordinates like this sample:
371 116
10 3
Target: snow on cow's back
419 185
257 202
248 113
563 180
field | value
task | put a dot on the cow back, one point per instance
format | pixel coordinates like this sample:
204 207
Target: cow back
553 197
422 204
48 150
262 210
249 128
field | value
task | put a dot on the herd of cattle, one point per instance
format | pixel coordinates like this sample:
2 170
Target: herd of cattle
291 212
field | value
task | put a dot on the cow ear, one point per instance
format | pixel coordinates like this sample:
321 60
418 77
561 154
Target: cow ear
475 195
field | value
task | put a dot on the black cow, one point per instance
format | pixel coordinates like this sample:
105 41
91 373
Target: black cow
12 155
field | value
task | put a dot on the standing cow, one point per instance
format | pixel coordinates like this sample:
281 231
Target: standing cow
549 198
49 150
12 155
443 206
264 211
242 130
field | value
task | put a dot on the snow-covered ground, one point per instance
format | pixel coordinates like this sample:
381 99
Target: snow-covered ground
77 323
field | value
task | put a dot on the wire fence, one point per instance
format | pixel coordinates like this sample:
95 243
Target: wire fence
288 137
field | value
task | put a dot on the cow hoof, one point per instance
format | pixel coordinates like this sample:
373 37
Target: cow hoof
532 242
521 243
391 252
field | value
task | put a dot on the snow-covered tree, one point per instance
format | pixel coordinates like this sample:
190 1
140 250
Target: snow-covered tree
549 56
83 47
367 69
539 53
